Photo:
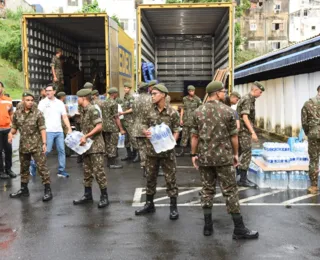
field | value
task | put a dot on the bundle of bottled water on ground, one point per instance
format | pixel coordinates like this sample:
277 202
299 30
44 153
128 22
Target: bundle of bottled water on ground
161 138
72 103
73 142
279 155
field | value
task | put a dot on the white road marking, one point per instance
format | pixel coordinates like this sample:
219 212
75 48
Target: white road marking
180 194
260 196
299 198
222 204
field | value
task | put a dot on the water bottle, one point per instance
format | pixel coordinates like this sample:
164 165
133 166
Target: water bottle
305 180
260 178
285 180
273 180
291 180
156 139
267 182
121 140
165 138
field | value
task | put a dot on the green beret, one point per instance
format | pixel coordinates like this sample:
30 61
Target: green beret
191 88
127 85
143 85
88 85
83 92
61 94
113 90
27 94
214 86
58 50
152 83
236 94
259 85
161 88
94 92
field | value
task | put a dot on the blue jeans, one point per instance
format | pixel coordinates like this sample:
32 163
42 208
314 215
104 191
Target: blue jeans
58 139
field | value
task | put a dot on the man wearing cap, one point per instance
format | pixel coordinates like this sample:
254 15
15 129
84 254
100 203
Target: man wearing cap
6 113
215 154
30 122
233 100
54 112
128 121
88 85
93 159
190 104
141 105
57 72
159 113
310 119
247 112
111 127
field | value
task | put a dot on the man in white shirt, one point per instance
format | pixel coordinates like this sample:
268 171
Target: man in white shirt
54 110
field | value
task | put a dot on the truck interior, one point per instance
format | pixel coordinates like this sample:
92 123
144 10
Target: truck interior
186 45
82 40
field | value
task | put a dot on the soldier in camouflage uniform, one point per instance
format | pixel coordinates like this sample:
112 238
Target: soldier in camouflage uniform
310 119
160 113
190 104
216 141
141 106
57 72
111 127
93 159
29 121
247 112
128 121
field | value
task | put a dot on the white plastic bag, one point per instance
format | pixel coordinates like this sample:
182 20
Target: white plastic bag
120 110
162 139
73 142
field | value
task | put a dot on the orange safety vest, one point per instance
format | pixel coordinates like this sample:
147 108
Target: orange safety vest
5 110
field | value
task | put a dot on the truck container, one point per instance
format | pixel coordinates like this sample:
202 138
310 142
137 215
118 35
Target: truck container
186 44
98 50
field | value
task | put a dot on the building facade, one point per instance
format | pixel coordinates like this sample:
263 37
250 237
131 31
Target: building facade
265 25
304 19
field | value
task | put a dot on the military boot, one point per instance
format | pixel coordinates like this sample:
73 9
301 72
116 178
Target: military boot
137 157
244 181
147 208
11 174
112 163
4 176
240 231
104 201
23 192
174 214
86 198
128 156
208 225
181 154
47 193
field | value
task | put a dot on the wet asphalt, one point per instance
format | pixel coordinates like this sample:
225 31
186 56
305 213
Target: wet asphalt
32 229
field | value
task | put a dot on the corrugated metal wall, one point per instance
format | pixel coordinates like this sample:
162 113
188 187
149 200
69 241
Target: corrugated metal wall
279 107
147 42
221 44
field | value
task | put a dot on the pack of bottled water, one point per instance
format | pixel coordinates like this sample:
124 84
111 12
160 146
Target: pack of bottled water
162 139
102 97
72 104
299 180
73 142
121 140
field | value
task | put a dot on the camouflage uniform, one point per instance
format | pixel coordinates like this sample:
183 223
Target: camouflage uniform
215 123
128 122
246 106
310 118
56 64
189 106
30 126
93 159
110 129
141 106
167 160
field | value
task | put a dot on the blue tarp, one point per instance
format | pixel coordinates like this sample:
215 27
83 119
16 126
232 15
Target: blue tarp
288 60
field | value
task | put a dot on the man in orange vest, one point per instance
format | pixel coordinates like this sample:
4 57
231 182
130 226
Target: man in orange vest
6 113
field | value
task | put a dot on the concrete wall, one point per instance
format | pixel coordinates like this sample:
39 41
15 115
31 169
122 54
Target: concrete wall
15 4
279 107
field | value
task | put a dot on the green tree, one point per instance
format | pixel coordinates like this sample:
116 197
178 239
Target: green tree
117 20
91 8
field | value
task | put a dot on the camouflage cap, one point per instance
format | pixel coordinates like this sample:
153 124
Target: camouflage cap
259 85
236 94
84 92
113 90
88 85
143 85
190 87
127 85
152 83
161 88
61 94
94 92
214 86
27 94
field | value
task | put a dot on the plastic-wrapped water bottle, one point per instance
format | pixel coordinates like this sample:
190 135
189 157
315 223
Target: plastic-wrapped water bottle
273 180
305 180
121 140
261 179
291 180
284 178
